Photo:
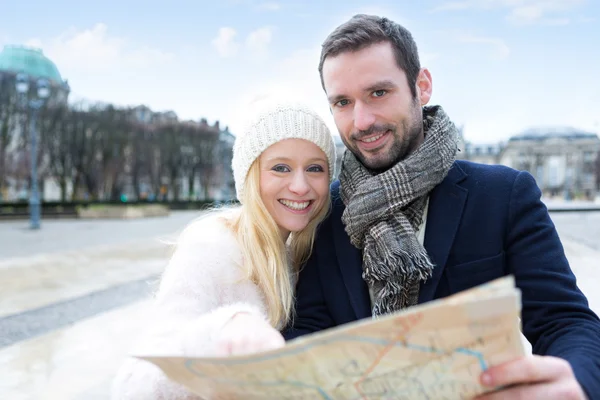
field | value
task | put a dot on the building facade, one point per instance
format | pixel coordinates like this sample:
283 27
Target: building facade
564 161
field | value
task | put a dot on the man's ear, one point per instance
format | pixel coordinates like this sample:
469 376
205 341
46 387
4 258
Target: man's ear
424 86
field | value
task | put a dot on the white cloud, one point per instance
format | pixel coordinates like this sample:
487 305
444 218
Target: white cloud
500 49
270 6
520 11
225 42
258 41
95 50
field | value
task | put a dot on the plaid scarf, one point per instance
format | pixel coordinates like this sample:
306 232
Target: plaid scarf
384 210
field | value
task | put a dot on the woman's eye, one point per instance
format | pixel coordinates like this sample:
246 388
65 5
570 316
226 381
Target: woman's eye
281 168
315 168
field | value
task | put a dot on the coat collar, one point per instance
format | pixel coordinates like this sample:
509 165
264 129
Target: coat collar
446 204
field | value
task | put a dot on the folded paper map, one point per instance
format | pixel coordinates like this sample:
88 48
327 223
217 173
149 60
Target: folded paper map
432 351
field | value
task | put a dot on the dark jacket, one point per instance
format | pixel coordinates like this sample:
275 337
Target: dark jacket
483 222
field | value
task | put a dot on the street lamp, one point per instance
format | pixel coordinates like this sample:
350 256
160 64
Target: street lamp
43 91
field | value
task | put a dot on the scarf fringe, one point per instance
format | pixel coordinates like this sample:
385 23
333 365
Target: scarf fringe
382 266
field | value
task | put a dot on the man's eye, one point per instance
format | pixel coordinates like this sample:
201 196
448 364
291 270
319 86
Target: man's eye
379 93
342 103
280 168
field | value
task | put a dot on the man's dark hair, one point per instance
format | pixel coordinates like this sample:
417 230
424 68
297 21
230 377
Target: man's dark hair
364 30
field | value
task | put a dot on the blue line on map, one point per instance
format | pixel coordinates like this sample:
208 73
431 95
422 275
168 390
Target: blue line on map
476 354
383 342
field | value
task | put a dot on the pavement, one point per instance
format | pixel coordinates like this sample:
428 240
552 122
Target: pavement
73 299
75 296
61 236
579 227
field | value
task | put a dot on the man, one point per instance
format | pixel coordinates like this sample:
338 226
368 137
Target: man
410 224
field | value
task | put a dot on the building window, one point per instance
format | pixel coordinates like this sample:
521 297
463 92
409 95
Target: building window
539 175
589 180
589 156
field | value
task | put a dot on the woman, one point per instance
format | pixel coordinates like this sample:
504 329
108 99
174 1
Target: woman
229 286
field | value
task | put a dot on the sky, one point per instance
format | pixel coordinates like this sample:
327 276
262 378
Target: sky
499 67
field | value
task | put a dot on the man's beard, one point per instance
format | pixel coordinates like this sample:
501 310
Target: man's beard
402 146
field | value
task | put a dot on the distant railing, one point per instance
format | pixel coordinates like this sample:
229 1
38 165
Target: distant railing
558 209
555 206
54 210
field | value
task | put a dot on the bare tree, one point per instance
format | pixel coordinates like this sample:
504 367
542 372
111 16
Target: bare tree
10 118
597 168
140 155
170 142
83 148
113 139
190 157
55 141
207 144
156 167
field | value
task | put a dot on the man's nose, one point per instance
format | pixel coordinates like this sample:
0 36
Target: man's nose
363 117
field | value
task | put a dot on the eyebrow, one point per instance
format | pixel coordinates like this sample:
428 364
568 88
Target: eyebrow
383 84
287 159
334 99
379 85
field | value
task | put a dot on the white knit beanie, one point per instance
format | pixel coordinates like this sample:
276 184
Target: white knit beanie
273 124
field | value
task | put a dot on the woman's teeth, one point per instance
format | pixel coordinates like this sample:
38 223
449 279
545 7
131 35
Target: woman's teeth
295 205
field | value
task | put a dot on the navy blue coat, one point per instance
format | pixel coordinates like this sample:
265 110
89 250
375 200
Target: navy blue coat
484 222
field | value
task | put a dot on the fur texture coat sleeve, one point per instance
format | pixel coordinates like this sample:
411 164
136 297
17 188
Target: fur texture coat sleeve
202 287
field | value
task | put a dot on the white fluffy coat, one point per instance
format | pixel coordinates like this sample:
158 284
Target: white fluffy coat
202 287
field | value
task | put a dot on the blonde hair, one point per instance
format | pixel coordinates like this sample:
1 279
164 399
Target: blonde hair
264 252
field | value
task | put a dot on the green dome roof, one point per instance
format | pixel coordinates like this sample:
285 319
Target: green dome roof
30 61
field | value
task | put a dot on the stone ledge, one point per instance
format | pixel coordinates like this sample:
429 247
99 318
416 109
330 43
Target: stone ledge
123 212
